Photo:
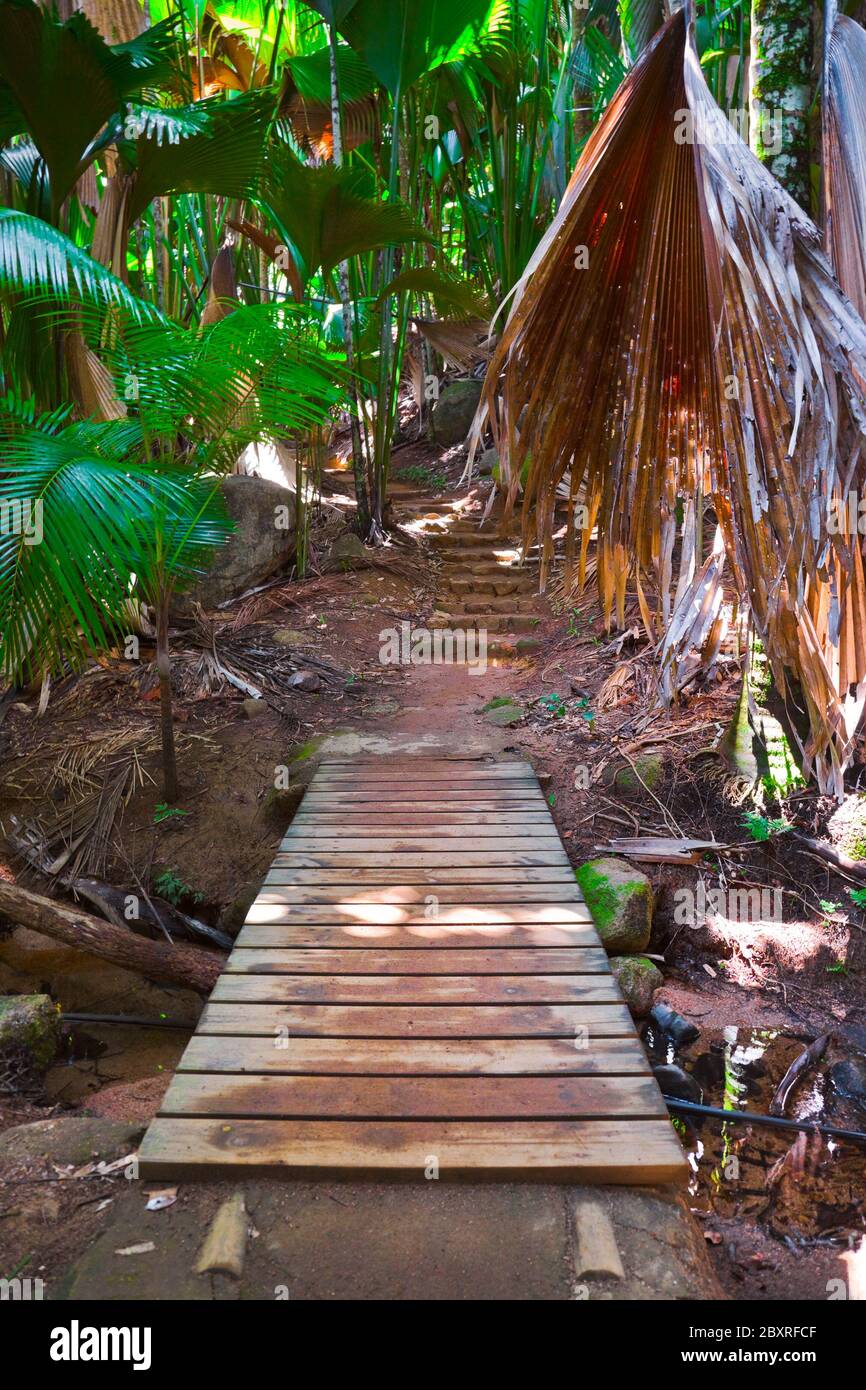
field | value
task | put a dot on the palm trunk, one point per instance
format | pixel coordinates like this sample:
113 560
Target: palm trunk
163 666
781 91
359 467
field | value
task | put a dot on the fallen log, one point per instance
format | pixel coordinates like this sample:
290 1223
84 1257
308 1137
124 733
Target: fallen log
190 966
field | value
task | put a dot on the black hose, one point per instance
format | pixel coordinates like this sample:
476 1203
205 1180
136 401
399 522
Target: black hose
773 1121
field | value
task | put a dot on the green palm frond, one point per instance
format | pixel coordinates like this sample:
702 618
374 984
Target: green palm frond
449 294
83 512
61 82
35 258
324 215
214 146
253 375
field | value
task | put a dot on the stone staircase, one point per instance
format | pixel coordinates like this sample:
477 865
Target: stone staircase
481 584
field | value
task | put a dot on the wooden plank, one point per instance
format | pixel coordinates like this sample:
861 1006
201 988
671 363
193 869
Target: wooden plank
424 858
234 987
316 960
521 797
573 1151
397 845
451 775
268 908
584 1022
488 804
270 983
299 1056
386 877
234 1096
452 938
382 827
290 892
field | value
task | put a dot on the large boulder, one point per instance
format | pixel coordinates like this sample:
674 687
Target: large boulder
263 542
29 1035
620 898
454 411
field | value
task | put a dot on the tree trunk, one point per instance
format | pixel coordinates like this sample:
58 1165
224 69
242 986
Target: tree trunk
163 666
781 91
359 466
189 966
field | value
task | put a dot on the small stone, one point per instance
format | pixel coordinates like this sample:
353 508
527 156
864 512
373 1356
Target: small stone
347 547
638 979
597 1254
527 644
486 462
29 1033
848 1079
291 637
675 1081
307 681
254 709
620 898
504 715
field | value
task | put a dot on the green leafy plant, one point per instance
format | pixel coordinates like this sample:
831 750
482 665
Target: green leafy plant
170 885
763 828
163 812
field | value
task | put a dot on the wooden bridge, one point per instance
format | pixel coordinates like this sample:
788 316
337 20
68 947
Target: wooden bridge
418 989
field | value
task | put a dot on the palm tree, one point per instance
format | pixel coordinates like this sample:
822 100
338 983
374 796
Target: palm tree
130 508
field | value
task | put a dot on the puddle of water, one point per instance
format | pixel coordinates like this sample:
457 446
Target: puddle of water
819 1193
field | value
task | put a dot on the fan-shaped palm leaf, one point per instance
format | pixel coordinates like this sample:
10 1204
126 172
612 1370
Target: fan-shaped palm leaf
324 215
678 332
66 82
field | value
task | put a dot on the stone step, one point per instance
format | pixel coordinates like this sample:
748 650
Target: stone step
513 580
490 569
492 622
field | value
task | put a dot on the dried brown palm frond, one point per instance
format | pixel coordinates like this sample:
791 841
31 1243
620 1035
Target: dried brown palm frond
311 123
679 335
844 163
461 341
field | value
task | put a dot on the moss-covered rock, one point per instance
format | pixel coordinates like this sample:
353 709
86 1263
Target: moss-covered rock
638 979
29 1033
628 780
620 898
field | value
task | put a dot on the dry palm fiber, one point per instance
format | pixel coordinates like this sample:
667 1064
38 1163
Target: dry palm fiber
679 334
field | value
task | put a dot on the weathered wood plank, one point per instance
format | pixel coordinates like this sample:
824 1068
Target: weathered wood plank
269 908
417 1097
452 938
276 882
237 987
317 960
575 1151
270 983
582 1022
289 1055
522 797
400 845
426 858
369 826
383 878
